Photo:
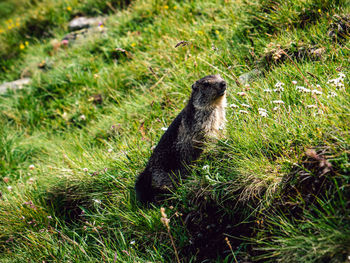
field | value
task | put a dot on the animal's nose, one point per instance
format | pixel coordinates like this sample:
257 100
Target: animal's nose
222 86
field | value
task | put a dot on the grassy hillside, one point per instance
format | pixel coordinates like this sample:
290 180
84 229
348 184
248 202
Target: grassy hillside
275 188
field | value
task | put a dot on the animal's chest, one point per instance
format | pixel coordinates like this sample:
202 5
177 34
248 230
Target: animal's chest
214 122
205 124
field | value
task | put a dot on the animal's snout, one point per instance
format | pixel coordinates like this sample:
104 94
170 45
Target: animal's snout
222 87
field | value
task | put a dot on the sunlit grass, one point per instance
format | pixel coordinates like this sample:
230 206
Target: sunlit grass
91 117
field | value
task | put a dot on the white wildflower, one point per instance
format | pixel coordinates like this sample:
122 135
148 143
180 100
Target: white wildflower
31 167
276 108
132 242
341 76
262 112
280 89
311 106
279 84
205 167
85 169
294 82
245 105
267 90
340 85
338 82
164 128
333 81
9 188
278 102
214 48
243 111
332 94
317 92
303 89
247 85
97 201
234 106
241 94
318 86
110 150
65 115
82 117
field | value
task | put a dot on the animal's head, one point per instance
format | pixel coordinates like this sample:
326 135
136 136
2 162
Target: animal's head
208 91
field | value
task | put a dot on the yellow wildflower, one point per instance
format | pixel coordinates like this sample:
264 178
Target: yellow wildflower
21 46
166 7
69 8
175 7
26 43
319 10
133 44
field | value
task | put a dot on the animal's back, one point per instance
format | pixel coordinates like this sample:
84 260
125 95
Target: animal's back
164 159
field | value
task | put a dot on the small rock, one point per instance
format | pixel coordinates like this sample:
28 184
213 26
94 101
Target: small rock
45 64
81 34
96 98
83 22
73 36
249 76
318 52
17 84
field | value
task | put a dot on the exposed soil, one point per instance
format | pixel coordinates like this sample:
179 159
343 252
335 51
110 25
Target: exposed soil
216 229
339 29
222 228
277 54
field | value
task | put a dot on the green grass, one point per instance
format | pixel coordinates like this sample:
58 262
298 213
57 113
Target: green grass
258 185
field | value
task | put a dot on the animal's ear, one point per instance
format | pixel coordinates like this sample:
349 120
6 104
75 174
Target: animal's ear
194 86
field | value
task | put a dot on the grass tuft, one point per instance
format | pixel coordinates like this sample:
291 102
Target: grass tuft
273 188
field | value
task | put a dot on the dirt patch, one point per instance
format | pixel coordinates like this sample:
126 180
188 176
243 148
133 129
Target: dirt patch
225 227
276 54
216 229
308 181
339 29
68 202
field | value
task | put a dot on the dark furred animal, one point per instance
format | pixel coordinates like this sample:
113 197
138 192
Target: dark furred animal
182 143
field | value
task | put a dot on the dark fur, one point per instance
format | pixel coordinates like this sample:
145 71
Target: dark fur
182 142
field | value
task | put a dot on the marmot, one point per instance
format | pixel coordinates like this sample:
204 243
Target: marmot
182 142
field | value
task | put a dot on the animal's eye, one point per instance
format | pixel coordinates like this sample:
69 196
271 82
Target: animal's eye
206 84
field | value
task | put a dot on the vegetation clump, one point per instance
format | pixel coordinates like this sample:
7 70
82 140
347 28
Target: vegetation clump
274 188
